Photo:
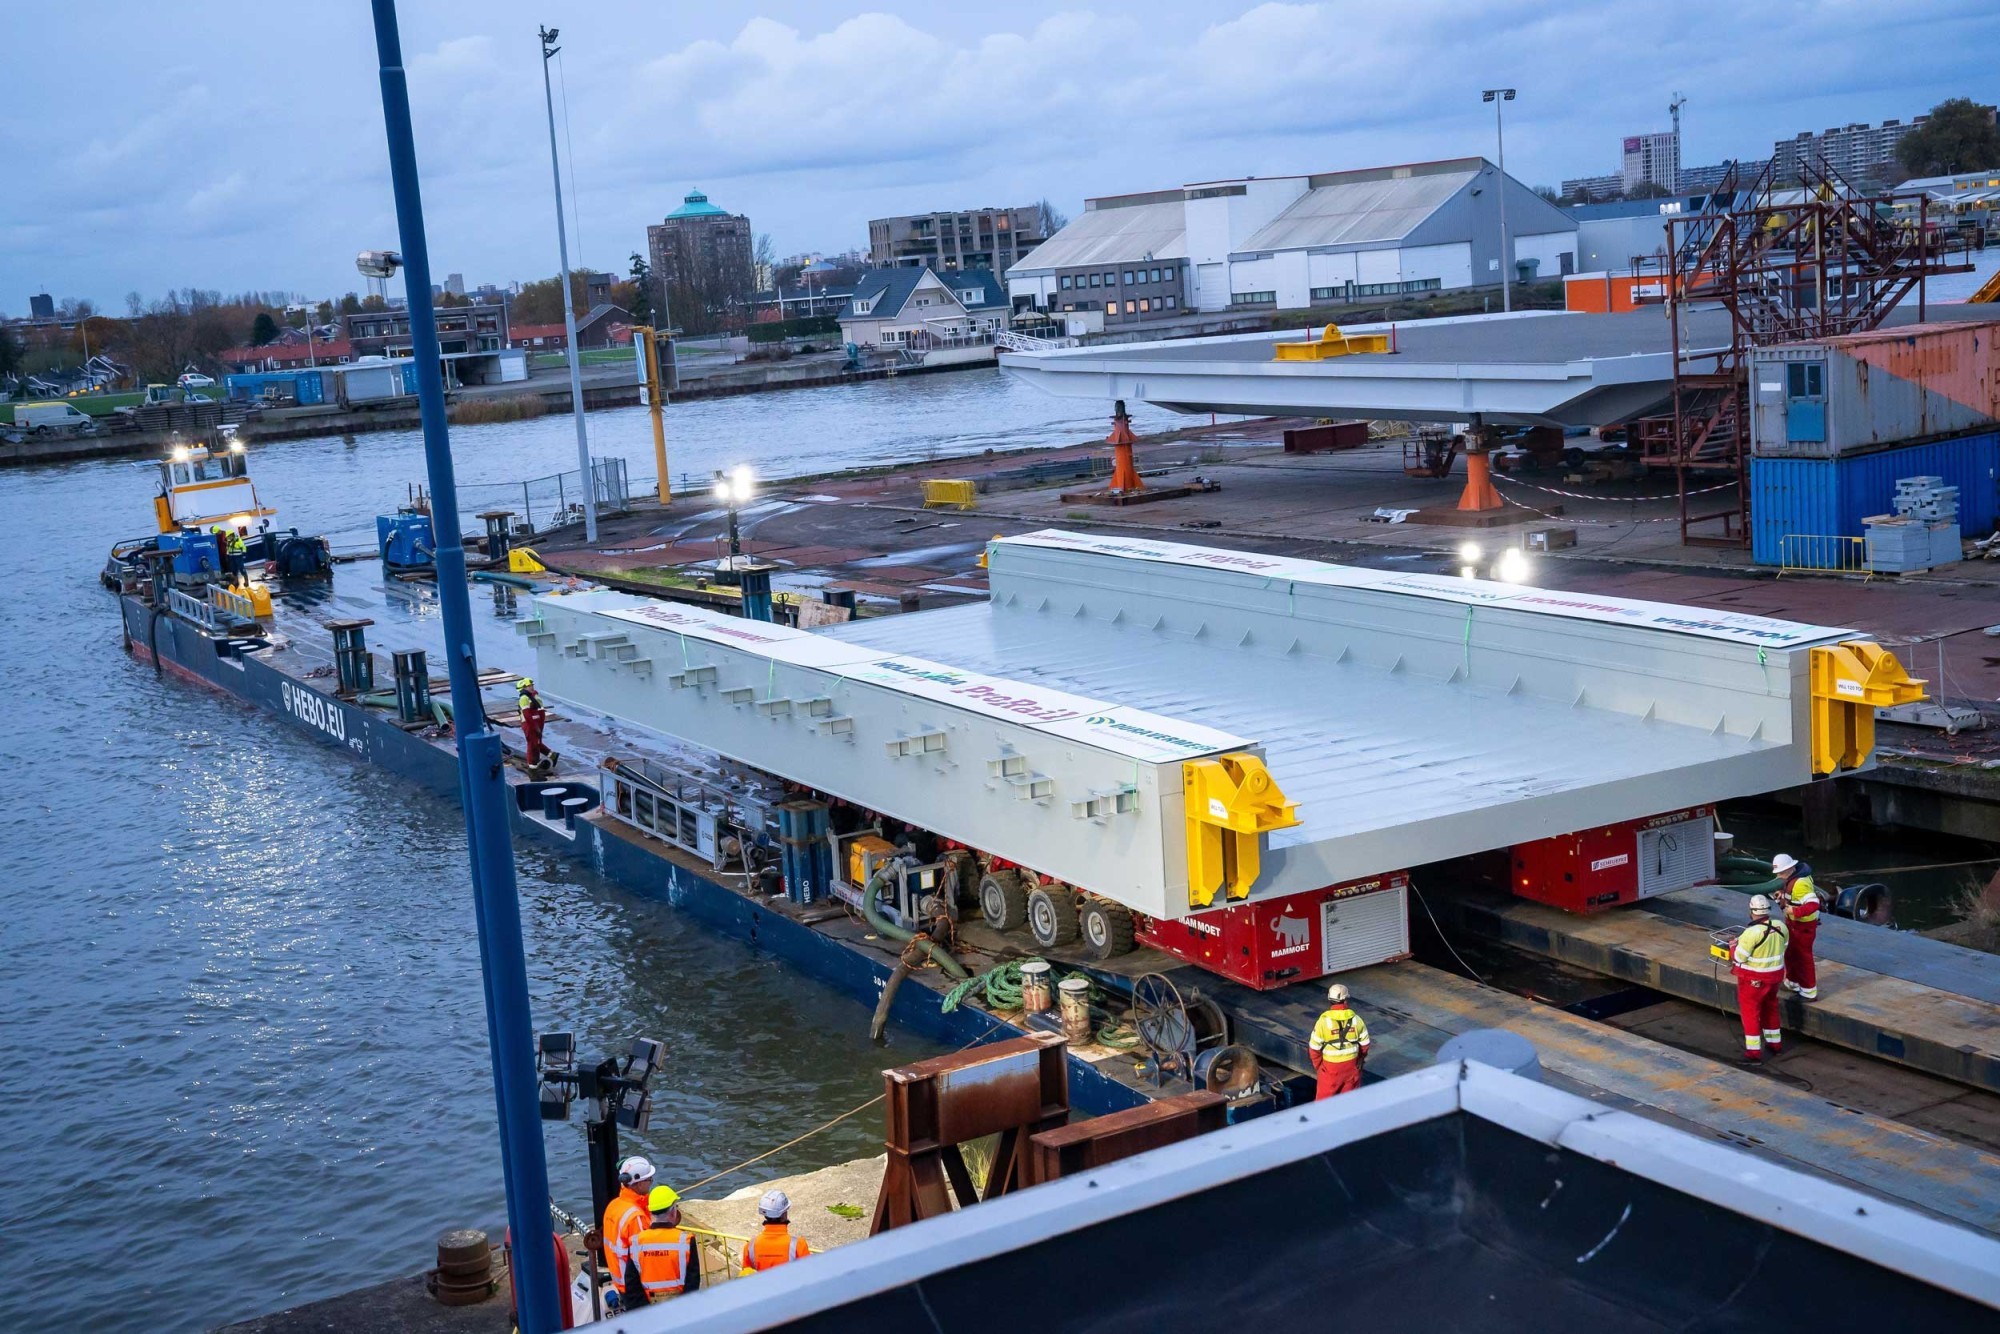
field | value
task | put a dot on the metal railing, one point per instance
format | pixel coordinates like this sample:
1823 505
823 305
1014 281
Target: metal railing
1823 553
191 608
544 503
1020 342
232 603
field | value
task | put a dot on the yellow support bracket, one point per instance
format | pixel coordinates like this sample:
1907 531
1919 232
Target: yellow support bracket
1231 801
1850 680
1331 343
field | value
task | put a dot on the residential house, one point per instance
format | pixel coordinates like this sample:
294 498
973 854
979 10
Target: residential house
604 325
920 309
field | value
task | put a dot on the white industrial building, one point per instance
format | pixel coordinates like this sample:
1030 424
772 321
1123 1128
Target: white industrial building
1291 242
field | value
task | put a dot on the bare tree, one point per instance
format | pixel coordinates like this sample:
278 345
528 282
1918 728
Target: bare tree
1053 218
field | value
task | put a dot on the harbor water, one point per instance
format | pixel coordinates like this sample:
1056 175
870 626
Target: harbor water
240 981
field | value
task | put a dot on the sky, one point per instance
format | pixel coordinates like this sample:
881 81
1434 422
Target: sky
239 146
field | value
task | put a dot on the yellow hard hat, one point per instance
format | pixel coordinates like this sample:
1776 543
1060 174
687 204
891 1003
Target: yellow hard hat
527 683
662 1199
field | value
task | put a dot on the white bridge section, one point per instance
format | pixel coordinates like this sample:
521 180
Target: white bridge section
1081 788
1412 717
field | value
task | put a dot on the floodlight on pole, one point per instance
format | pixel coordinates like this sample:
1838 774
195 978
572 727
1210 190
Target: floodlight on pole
1498 97
575 353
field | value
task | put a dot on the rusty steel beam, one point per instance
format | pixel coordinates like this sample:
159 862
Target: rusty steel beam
1083 1145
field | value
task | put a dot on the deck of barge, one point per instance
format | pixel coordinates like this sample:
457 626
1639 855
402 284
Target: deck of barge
1905 998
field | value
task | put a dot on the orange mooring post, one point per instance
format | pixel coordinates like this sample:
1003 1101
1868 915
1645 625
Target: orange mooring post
1479 494
1124 474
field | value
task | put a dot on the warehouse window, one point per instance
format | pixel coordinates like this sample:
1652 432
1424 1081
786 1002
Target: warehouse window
1254 298
1327 293
1172 301
1094 280
1145 304
1110 280
1806 379
1065 282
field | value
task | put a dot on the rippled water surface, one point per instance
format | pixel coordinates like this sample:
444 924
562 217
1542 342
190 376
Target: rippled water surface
246 1056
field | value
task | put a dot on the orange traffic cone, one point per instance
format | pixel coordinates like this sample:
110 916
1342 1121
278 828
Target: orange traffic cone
1124 474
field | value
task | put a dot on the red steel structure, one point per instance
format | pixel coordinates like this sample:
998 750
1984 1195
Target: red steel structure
1816 262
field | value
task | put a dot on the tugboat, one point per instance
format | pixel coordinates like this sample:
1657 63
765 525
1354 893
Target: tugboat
206 494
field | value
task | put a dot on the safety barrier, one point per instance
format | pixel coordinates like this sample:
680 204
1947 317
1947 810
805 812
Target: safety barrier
1020 342
1823 553
191 608
939 494
233 603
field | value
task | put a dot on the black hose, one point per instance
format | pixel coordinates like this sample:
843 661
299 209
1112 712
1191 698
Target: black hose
889 988
153 639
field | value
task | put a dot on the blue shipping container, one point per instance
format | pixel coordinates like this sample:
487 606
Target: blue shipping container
304 387
1830 497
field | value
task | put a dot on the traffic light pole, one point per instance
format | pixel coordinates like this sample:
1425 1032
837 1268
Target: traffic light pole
481 764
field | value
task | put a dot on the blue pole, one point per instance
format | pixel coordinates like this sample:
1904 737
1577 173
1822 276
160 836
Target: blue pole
482 775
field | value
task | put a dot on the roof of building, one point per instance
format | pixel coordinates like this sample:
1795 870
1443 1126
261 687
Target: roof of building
321 350
1359 211
696 205
893 287
1112 233
520 331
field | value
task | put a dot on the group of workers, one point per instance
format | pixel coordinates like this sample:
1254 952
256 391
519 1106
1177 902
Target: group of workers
651 1256
230 547
1774 954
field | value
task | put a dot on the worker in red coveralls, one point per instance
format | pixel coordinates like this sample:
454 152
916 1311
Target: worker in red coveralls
1801 900
1339 1045
533 717
1758 960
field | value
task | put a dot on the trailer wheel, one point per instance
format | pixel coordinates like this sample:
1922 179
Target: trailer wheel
1107 928
1003 900
1052 916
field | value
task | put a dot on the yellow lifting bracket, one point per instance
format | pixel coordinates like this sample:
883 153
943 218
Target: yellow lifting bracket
1330 343
1850 680
1231 801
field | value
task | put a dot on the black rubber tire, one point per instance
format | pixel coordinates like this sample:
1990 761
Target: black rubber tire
1107 928
1003 900
1052 919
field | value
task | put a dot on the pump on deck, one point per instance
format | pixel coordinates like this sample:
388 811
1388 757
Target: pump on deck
1850 680
1231 802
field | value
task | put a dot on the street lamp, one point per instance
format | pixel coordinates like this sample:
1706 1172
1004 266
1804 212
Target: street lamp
734 490
549 48
1497 96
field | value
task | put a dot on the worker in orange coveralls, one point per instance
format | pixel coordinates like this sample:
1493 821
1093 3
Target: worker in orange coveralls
1758 960
1801 899
1339 1045
533 717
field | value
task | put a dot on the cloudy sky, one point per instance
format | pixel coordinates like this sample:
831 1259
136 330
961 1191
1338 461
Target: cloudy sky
239 145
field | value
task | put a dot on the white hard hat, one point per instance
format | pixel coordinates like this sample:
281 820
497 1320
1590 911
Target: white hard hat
775 1204
1760 904
1336 993
1783 863
634 1170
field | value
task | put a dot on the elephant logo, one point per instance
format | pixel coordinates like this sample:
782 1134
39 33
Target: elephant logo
1292 932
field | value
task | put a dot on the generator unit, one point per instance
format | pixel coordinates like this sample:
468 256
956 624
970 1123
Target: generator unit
1594 869
1274 942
